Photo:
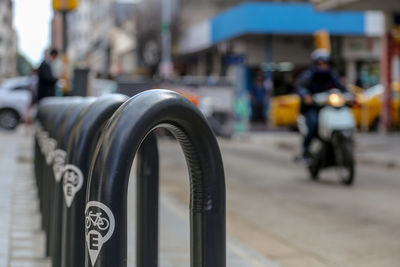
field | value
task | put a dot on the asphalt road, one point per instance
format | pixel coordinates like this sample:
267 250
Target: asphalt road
276 210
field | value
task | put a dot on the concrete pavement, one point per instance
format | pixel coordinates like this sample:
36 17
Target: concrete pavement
175 246
7 163
277 211
22 241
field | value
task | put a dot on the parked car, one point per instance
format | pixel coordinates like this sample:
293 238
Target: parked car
15 99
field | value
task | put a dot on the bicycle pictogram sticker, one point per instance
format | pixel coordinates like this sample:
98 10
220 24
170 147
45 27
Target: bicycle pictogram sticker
99 224
58 157
96 220
72 182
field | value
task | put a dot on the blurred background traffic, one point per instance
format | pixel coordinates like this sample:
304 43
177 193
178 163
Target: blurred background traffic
212 51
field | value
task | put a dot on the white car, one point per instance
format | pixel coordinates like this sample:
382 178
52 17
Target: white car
15 100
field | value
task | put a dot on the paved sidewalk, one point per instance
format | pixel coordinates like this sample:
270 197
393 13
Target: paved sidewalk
22 241
8 154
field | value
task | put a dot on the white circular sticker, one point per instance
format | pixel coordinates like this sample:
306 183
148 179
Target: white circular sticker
58 157
42 140
50 145
100 224
72 182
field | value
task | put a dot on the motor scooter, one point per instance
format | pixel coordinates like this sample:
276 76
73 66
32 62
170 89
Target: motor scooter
334 146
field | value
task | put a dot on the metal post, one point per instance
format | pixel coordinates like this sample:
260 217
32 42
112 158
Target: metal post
64 14
387 72
106 201
147 203
65 74
166 68
269 55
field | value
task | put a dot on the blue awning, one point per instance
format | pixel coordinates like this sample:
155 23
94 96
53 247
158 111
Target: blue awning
284 18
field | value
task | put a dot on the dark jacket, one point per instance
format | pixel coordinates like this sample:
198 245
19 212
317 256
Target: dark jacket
47 81
313 81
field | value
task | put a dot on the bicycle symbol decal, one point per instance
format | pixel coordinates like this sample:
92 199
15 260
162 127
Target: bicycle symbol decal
98 220
49 146
72 182
58 157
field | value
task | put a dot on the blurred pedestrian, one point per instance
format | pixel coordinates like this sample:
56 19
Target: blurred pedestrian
46 79
30 111
258 97
33 85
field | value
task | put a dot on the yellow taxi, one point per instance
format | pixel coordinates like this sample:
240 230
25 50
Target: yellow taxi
284 110
368 108
367 112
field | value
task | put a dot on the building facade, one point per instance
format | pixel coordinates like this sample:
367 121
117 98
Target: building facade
8 41
101 37
89 33
215 37
123 44
277 38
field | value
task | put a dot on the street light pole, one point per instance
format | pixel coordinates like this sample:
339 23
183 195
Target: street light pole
64 6
65 31
387 63
166 68
65 74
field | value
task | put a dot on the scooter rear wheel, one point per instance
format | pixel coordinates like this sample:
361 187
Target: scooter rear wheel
348 179
313 168
345 161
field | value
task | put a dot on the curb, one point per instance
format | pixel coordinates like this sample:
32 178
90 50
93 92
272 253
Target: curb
392 164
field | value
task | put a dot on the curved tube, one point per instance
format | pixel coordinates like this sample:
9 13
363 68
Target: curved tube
64 127
74 178
147 191
106 202
50 115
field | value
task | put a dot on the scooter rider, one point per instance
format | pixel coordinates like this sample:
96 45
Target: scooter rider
320 77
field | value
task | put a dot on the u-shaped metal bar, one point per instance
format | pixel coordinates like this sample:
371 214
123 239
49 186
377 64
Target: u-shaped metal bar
64 129
50 115
106 202
81 146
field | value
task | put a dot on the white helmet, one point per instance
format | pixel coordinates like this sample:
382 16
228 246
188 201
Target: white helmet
321 54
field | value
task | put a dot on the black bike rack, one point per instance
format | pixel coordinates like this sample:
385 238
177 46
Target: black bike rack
49 116
57 116
68 149
64 132
81 146
106 202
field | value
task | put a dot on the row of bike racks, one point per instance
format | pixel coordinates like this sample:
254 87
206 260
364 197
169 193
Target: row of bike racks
84 150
